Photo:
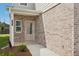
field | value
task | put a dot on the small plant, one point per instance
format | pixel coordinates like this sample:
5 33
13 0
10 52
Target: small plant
22 48
7 54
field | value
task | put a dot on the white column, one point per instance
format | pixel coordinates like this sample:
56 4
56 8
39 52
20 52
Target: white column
11 28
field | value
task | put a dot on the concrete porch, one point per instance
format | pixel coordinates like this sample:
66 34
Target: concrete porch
39 50
34 47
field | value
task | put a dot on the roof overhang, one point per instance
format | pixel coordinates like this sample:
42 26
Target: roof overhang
24 11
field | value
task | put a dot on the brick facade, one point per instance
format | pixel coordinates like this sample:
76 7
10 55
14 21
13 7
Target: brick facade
40 34
76 29
20 37
59 29
39 30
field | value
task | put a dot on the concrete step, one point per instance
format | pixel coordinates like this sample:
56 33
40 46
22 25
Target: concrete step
47 52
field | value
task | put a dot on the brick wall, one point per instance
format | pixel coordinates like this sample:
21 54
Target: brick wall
59 29
20 37
39 30
76 29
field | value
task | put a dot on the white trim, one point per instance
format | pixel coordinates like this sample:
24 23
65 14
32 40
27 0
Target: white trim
23 5
25 11
20 26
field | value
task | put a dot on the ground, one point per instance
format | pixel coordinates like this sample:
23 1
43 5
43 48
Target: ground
4 40
14 52
10 51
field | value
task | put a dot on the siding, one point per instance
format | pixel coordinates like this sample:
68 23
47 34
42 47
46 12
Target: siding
44 6
29 6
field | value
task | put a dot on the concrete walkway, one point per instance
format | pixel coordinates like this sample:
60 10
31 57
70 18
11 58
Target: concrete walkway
39 50
35 49
47 52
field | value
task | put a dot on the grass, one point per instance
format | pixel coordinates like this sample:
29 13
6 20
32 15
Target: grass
20 50
4 40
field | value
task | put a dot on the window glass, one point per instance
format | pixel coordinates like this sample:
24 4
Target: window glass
18 23
18 29
18 26
23 4
30 28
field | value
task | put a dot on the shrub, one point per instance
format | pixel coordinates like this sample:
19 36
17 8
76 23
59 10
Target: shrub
22 48
7 54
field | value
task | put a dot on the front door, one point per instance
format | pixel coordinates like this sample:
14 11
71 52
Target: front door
29 30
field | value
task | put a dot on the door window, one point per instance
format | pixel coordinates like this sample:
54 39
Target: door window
30 28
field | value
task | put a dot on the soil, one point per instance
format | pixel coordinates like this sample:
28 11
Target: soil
18 53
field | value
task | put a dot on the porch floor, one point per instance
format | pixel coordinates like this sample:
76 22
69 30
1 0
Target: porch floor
34 48
39 50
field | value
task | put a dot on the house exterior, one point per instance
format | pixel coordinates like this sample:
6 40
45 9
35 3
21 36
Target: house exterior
53 25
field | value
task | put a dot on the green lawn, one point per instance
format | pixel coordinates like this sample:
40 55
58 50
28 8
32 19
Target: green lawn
4 40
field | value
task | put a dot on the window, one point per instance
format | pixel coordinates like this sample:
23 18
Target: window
18 26
30 28
25 4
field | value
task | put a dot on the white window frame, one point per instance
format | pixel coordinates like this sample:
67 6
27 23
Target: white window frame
18 26
23 5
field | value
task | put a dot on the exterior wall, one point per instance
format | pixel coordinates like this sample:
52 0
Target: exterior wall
29 6
59 29
39 30
76 29
40 35
44 6
55 28
20 37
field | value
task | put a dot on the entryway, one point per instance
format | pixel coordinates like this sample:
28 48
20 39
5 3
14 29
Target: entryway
29 30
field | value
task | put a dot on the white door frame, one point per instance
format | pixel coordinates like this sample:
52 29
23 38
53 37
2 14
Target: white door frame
26 28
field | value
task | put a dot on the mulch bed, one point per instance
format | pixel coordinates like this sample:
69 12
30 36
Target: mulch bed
18 53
